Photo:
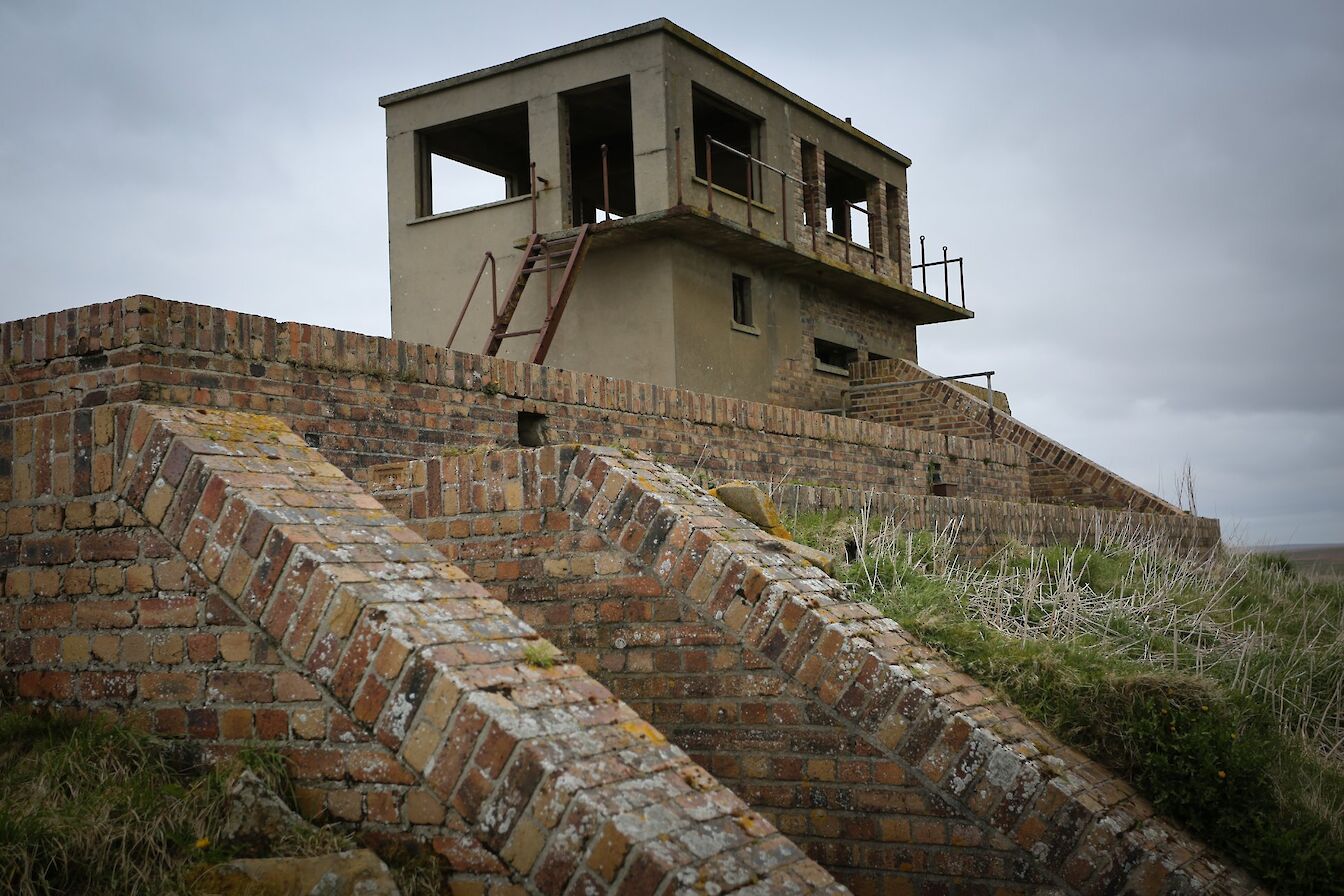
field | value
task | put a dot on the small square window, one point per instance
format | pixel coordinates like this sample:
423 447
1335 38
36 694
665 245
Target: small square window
742 300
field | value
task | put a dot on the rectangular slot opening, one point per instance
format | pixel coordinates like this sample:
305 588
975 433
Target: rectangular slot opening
473 161
600 115
532 430
730 125
742 300
833 357
846 186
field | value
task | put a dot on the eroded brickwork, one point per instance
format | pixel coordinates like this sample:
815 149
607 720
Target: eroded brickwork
309 612
892 769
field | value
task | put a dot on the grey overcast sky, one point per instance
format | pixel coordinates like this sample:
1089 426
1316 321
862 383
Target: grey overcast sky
1149 195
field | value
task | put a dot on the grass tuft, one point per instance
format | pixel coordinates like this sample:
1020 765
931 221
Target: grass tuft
89 807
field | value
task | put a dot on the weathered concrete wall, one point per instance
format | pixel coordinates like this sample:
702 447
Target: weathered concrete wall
892 769
229 584
1058 474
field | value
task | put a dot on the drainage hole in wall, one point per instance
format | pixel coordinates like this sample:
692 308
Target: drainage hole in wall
532 429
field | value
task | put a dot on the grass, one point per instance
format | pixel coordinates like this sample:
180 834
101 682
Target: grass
541 654
88 807
1215 685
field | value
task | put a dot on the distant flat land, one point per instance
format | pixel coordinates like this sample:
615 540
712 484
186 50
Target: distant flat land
1321 559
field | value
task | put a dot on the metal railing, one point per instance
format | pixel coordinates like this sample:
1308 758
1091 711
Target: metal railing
946 264
811 190
488 260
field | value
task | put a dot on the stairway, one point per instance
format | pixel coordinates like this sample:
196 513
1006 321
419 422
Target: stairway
545 256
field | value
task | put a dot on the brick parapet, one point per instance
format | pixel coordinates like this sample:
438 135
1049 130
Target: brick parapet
365 399
775 641
1058 474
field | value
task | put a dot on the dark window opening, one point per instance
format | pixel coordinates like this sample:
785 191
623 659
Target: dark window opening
600 115
812 190
532 430
847 186
474 161
874 356
833 354
742 300
732 126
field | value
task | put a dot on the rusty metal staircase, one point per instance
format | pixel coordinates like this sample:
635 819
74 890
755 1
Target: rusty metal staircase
545 256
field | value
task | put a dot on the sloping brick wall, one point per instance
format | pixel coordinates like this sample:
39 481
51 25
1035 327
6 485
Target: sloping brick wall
892 769
252 591
1058 474
978 527
364 400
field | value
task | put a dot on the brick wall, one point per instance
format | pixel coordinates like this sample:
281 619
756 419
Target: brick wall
1058 474
979 527
364 400
230 585
798 383
889 767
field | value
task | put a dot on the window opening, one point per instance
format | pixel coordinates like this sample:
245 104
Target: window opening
833 354
730 125
846 186
473 161
742 300
600 115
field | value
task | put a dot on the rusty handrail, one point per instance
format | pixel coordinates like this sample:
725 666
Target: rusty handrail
606 189
494 294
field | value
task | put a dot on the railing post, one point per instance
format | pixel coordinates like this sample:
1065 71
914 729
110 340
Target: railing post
961 275
533 169
783 203
989 388
709 171
923 269
751 188
676 141
947 289
872 243
812 207
849 226
606 191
